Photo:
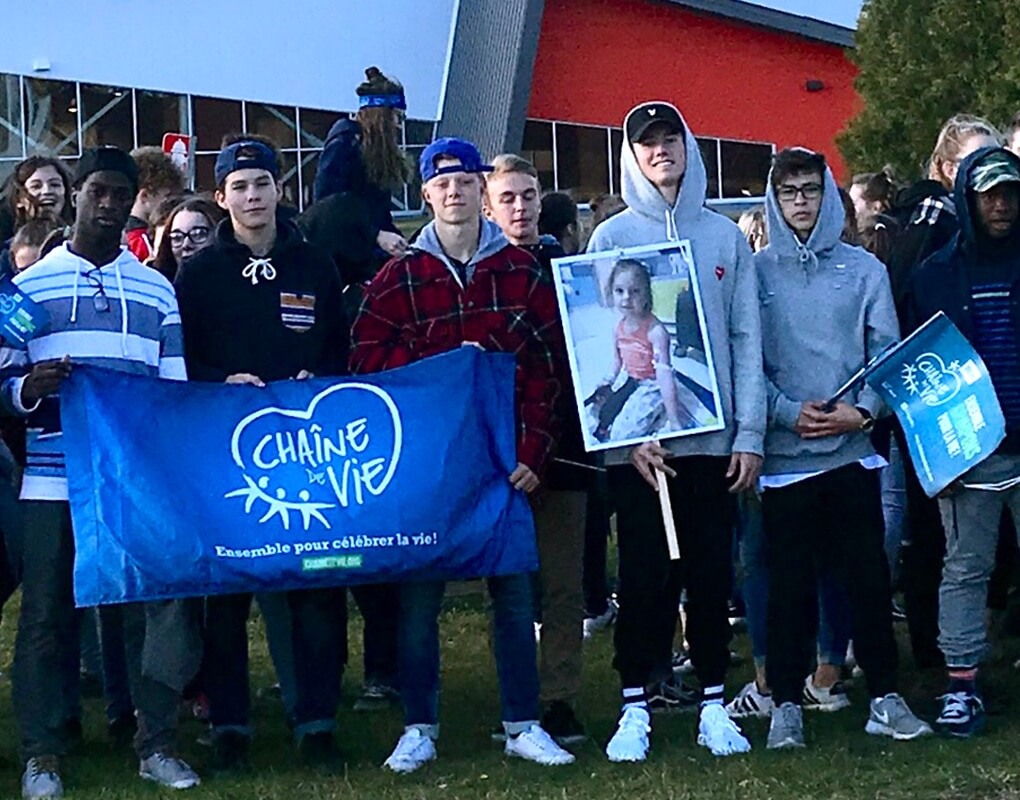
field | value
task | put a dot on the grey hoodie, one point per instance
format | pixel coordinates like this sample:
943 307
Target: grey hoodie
490 241
826 308
725 269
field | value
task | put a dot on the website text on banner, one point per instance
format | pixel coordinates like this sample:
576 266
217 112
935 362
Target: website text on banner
939 389
182 489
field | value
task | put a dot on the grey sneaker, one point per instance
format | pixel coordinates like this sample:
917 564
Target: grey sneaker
42 778
890 716
168 771
787 728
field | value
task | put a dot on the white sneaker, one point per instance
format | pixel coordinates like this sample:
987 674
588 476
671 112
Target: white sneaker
414 750
630 742
750 703
719 733
42 779
536 745
818 699
169 771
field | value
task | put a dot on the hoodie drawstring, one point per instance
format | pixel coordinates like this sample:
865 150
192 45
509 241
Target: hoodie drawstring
74 303
123 310
672 234
123 305
257 267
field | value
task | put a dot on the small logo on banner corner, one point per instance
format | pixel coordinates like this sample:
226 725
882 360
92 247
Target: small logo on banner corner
315 460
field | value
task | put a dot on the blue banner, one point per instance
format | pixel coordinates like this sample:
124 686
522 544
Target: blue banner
189 489
939 389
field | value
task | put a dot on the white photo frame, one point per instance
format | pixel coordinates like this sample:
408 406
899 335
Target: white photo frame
642 369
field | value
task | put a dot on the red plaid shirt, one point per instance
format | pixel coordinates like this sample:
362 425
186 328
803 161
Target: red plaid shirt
415 308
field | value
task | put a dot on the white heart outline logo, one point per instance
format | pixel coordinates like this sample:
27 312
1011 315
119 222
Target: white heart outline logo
925 378
309 510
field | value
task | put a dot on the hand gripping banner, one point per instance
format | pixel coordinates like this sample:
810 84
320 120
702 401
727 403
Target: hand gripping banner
189 489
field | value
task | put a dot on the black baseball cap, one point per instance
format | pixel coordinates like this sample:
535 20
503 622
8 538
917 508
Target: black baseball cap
105 159
642 117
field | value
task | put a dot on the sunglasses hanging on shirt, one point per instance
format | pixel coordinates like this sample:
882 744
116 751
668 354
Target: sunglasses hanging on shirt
100 302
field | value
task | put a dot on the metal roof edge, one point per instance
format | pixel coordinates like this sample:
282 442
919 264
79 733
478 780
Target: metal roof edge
776 20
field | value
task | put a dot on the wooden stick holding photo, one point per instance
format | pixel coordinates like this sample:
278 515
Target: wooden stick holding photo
667 516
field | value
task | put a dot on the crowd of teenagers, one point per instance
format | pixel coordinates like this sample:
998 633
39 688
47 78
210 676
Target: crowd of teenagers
818 501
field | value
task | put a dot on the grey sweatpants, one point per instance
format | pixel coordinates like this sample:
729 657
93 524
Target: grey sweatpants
155 638
971 521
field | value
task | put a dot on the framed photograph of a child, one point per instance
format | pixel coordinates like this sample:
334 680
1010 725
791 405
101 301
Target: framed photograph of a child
639 353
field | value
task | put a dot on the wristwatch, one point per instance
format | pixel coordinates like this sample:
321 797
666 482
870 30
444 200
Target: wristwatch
868 421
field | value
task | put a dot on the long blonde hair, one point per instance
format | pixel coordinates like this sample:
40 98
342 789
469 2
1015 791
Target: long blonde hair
952 138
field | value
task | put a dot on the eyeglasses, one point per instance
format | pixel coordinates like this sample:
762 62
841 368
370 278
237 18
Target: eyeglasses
100 302
198 235
810 191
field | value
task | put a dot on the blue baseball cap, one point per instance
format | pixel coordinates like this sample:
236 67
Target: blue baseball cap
451 147
245 155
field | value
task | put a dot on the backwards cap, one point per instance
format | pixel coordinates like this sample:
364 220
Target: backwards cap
450 147
245 155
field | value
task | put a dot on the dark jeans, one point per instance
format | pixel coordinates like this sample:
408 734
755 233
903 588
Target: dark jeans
922 554
317 660
116 685
380 609
513 639
596 548
47 632
650 583
830 523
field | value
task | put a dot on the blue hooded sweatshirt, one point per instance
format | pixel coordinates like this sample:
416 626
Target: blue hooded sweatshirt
826 309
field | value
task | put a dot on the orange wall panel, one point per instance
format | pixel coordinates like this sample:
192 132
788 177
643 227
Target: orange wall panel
598 58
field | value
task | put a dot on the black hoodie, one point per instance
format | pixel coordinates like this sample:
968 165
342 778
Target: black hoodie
946 281
240 314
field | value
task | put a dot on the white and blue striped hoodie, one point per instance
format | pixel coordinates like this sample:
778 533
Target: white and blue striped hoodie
138 332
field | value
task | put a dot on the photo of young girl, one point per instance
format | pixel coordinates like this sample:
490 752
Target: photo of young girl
637 348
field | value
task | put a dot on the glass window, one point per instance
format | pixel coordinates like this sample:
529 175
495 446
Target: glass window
289 179
160 113
7 168
205 173
309 166
537 148
582 161
10 117
51 116
214 119
415 202
710 155
745 168
276 122
106 117
315 124
419 131
614 155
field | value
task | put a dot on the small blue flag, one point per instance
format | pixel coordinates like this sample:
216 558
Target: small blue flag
939 389
21 318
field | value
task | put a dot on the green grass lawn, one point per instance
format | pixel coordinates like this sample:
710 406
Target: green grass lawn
841 761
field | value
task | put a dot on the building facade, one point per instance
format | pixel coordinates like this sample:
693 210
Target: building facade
550 78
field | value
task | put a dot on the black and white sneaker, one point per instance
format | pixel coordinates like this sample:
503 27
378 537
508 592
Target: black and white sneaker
671 697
